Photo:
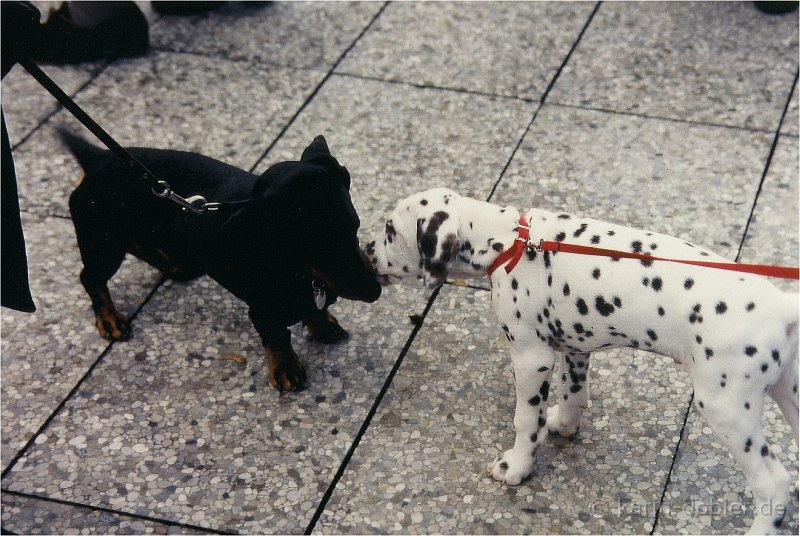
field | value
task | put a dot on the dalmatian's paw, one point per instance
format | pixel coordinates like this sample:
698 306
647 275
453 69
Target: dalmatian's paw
562 427
512 467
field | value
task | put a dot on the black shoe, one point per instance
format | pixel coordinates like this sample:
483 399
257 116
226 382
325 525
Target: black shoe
61 41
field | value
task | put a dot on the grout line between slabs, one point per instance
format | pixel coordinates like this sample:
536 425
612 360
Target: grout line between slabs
772 149
417 85
243 60
121 513
672 464
659 118
46 215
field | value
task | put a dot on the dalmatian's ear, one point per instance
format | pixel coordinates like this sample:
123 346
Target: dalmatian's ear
439 245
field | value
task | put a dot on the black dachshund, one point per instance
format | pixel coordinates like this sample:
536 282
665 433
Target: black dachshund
285 242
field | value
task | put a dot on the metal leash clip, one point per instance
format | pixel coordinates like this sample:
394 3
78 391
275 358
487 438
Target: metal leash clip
196 203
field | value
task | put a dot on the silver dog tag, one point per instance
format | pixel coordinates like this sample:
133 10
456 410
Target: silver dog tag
319 294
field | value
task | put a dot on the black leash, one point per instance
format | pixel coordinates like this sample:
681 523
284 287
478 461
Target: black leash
196 203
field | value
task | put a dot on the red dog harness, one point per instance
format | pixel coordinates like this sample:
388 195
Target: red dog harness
513 254
510 257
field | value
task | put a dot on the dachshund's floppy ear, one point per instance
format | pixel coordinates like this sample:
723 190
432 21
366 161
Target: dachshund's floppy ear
317 153
439 245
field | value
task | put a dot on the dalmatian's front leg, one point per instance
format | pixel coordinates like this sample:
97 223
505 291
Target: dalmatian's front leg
533 369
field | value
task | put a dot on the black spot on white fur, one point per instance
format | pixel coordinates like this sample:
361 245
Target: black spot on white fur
656 284
603 307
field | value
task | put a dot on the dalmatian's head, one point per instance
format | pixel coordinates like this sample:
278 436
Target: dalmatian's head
419 240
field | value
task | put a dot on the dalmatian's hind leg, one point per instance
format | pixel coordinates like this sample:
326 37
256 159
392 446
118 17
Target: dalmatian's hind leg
741 433
573 395
784 393
533 369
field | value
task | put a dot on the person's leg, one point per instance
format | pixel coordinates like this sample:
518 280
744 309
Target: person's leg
14 287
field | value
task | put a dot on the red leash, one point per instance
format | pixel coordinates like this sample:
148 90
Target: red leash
510 257
785 272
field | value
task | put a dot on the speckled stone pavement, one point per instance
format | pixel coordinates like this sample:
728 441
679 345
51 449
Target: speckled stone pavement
681 118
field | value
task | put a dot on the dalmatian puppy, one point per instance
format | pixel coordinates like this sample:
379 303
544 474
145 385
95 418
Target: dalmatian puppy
735 334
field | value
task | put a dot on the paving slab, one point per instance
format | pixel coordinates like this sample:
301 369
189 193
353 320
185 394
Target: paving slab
23 515
773 234
168 426
696 182
511 49
396 140
170 101
421 466
720 63
309 35
46 353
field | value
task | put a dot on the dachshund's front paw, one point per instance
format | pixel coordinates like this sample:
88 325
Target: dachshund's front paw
113 326
286 372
